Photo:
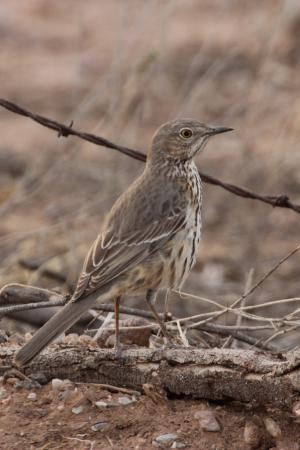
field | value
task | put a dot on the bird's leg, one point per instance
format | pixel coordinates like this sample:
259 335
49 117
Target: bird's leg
117 346
167 314
151 299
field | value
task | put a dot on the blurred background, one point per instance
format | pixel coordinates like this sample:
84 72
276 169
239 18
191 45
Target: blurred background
119 69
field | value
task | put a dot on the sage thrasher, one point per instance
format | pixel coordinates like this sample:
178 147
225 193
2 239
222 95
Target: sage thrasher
148 240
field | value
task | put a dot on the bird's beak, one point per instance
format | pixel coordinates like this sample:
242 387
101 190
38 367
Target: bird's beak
218 130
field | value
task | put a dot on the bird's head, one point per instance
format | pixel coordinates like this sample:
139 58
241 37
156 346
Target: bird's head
181 140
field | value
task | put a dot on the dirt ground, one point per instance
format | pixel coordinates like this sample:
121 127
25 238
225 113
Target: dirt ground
50 422
120 69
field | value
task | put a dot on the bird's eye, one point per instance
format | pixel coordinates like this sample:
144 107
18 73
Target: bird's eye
186 133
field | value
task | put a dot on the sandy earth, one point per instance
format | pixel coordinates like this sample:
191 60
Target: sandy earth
47 422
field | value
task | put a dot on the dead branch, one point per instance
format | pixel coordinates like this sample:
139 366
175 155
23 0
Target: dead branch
21 294
214 374
281 201
20 297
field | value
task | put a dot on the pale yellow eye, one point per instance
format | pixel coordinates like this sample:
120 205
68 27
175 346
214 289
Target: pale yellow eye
186 133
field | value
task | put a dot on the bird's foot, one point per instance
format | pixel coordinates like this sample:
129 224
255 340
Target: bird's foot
118 348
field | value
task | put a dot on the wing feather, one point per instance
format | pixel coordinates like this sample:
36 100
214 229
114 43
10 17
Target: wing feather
121 245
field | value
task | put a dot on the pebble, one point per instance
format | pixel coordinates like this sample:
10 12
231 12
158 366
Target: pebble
252 435
28 336
99 426
77 409
39 377
3 337
126 400
62 385
32 396
272 427
3 392
12 381
163 439
27 384
296 409
103 405
178 444
58 384
207 420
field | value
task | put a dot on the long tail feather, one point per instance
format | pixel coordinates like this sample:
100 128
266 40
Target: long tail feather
59 323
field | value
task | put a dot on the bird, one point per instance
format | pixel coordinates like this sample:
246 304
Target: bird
148 241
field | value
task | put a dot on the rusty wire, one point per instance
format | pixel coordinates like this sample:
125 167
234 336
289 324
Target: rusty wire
281 201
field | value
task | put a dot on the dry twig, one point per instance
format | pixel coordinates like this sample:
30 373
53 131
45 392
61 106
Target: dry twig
23 291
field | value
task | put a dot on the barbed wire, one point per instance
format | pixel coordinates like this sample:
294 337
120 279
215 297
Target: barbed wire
281 201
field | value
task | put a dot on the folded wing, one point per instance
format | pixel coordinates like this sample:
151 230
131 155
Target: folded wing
131 234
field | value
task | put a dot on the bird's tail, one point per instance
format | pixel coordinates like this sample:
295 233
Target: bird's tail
59 323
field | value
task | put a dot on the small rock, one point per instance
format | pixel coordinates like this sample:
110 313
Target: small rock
39 377
296 409
207 420
57 384
272 427
126 400
3 337
62 385
164 439
178 444
27 384
60 408
3 393
252 435
32 396
77 409
103 405
12 380
99 426
28 336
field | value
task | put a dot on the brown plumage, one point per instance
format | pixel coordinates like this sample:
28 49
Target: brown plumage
148 240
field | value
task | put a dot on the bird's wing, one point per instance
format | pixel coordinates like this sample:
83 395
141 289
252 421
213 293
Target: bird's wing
123 244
